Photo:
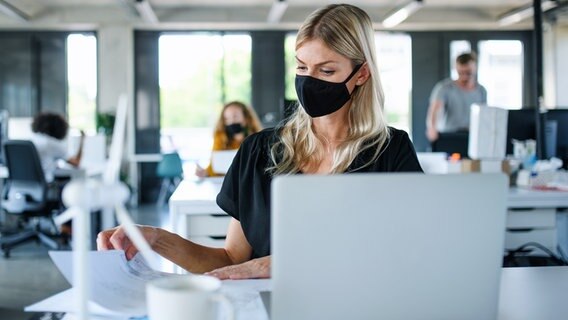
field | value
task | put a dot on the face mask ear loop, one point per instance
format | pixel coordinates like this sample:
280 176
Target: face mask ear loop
357 67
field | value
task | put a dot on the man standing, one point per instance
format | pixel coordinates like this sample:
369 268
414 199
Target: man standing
450 100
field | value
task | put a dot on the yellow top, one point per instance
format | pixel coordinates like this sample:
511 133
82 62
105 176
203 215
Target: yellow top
219 145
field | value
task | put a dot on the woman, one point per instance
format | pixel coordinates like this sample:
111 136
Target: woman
49 133
338 128
235 123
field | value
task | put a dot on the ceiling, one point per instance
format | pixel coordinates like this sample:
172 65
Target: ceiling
435 14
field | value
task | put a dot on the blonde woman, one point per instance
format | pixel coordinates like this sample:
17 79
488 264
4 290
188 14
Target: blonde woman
236 122
339 127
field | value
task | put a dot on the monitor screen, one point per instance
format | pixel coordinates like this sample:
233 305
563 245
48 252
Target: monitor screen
561 117
521 125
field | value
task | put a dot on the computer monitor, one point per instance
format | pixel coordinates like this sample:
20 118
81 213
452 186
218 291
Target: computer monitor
521 125
561 117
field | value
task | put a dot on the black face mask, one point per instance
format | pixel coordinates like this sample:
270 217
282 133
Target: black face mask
234 129
319 97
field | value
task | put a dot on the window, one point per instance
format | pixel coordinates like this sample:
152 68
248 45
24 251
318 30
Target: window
395 67
82 81
501 72
198 74
394 55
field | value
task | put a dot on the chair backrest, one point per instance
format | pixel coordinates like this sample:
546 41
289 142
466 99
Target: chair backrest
26 186
452 142
170 166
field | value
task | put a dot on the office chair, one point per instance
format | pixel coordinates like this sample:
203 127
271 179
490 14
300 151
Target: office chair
452 142
27 195
171 171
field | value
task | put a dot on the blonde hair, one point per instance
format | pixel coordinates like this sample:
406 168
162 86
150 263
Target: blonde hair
252 123
348 31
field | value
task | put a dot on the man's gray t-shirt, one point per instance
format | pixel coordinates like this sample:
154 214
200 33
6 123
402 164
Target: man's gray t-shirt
456 104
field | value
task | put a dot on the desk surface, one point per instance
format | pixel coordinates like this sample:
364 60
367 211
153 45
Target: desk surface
527 294
204 191
528 198
533 293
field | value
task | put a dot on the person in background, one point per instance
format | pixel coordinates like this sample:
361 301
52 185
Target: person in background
450 100
236 122
339 128
49 133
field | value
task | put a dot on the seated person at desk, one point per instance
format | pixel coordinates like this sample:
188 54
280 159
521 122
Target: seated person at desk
49 133
339 128
451 100
236 122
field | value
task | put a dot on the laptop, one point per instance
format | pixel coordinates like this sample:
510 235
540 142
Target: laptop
221 160
387 246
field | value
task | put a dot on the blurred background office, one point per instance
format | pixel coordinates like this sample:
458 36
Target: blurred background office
180 61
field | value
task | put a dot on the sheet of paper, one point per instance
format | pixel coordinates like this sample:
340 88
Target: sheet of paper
115 283
117 288
244 294
63 302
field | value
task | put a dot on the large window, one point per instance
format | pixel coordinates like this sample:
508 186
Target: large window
501 72
82 81
198 74
394 62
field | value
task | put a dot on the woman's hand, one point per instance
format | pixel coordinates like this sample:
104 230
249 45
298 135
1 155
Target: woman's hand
200 172
117 239
256 268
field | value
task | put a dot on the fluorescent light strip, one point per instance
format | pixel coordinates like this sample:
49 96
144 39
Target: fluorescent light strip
523 13
277 11
398 16
146 12
13 12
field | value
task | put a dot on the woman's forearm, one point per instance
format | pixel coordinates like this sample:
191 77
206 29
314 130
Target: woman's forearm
192 257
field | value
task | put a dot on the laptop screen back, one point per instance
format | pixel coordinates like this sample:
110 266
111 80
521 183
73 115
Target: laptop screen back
221 160
387 246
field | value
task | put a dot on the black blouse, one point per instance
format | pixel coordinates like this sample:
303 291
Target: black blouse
245 194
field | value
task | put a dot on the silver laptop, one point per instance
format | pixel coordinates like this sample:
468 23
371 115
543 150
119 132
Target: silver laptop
222 160
387 246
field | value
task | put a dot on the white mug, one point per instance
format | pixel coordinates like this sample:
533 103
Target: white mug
187 297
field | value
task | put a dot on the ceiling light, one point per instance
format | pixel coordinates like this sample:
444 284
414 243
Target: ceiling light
524 12
277 11
395 17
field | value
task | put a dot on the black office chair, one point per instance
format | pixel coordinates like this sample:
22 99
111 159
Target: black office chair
27 195
452 142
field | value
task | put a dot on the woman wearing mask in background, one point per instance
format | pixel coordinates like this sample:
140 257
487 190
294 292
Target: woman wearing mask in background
338 128
236 122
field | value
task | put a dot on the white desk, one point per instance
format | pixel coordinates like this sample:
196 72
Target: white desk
527 198
194 213
534 293
532 215
525 294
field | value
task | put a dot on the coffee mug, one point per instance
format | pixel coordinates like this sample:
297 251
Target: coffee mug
187 297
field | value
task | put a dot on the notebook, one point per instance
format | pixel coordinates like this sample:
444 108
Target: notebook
387 246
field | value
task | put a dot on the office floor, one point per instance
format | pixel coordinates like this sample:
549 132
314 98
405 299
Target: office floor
29 275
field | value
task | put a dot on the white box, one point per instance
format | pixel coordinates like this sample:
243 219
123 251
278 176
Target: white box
487 132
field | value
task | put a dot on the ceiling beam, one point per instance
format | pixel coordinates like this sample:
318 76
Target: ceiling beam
13 12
